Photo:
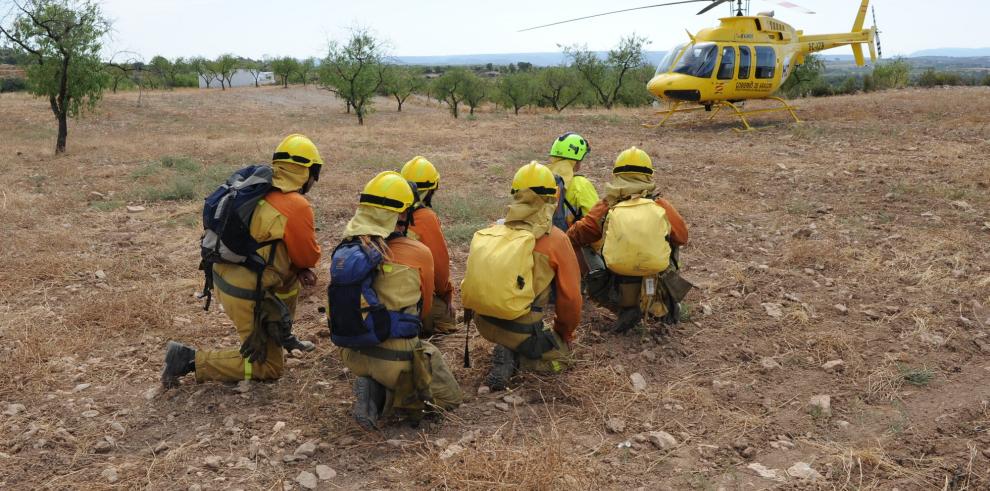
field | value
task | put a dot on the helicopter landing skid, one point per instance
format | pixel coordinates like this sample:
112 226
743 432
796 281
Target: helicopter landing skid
718 105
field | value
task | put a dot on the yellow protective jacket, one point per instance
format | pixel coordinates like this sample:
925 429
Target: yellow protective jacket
581 194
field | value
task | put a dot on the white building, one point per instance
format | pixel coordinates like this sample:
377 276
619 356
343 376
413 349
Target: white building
240 78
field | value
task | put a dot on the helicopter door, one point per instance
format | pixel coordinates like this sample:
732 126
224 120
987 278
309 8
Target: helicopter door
727 68
766 62
745 62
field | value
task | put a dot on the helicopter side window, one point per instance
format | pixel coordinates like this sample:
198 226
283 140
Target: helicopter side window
698 60
766 61
728 65
744 62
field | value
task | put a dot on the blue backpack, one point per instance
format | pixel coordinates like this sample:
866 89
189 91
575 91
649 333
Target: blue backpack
227 214
355 315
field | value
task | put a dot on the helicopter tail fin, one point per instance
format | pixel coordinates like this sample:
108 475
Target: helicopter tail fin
858 54
857 28
861 16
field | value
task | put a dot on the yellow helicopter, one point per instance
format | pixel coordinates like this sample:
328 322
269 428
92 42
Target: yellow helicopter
744 58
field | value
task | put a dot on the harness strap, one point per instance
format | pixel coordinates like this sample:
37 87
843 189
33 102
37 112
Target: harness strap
385 354
234 291
516 327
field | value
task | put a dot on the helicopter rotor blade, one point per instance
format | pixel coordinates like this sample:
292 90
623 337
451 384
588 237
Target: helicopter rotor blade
620 11
715 3
792 5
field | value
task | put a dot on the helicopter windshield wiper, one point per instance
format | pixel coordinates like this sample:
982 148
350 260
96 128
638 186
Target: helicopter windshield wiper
714 3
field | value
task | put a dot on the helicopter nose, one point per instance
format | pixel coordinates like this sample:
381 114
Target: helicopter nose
656 84
672 86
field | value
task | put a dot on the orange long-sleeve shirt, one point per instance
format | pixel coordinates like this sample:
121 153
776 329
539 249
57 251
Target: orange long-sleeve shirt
567 279
426 226
414 254
588 230
300 229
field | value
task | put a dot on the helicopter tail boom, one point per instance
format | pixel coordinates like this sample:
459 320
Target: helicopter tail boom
856 38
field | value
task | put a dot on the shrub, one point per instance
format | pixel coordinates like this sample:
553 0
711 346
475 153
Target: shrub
850 85
892 75
935 78
12 85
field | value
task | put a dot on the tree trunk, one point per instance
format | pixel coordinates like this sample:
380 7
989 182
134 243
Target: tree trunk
517 110
453 107
60 108
472 111
63 132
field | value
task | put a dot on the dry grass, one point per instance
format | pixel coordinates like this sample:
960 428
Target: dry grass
874 206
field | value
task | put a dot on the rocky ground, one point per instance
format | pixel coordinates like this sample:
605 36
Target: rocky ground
837 338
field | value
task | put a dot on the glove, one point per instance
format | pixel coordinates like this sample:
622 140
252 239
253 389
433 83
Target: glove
255 347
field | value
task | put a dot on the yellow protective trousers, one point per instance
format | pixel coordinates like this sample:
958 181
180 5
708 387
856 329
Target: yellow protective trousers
524 340
439 321
228 365
390 364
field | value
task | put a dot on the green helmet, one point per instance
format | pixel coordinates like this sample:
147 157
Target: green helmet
571 146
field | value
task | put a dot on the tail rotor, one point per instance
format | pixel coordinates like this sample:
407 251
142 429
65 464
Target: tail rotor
876 32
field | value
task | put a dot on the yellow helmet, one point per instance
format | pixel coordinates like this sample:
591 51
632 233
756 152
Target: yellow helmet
388 190
297 149
633 161
537 177
422 172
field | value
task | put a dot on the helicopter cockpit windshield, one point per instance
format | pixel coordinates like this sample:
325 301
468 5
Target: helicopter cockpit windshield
668 59
698 60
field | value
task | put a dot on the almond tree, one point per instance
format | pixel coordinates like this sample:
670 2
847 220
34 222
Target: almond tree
605 77
402 82
63 41
354 71
516 90
449 88
283 68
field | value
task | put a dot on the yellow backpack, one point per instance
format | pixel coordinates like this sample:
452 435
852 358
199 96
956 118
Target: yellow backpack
635 242
499 277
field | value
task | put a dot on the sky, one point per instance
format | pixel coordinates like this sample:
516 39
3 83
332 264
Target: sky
302 28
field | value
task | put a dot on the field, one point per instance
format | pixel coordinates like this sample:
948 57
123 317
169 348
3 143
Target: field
862 235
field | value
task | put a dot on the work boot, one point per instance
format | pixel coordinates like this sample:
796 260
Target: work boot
292 343
179 360
369 403
503 367
628 318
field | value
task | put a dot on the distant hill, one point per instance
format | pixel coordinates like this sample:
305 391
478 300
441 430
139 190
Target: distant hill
538 59
955 52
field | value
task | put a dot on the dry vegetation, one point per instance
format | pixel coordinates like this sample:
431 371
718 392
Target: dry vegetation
878 205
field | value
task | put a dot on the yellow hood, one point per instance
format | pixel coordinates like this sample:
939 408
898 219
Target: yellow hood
289 177
530 211
562 167
624 186
371 220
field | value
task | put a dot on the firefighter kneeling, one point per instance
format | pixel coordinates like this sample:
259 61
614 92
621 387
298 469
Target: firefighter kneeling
641 233
513 270
381 290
